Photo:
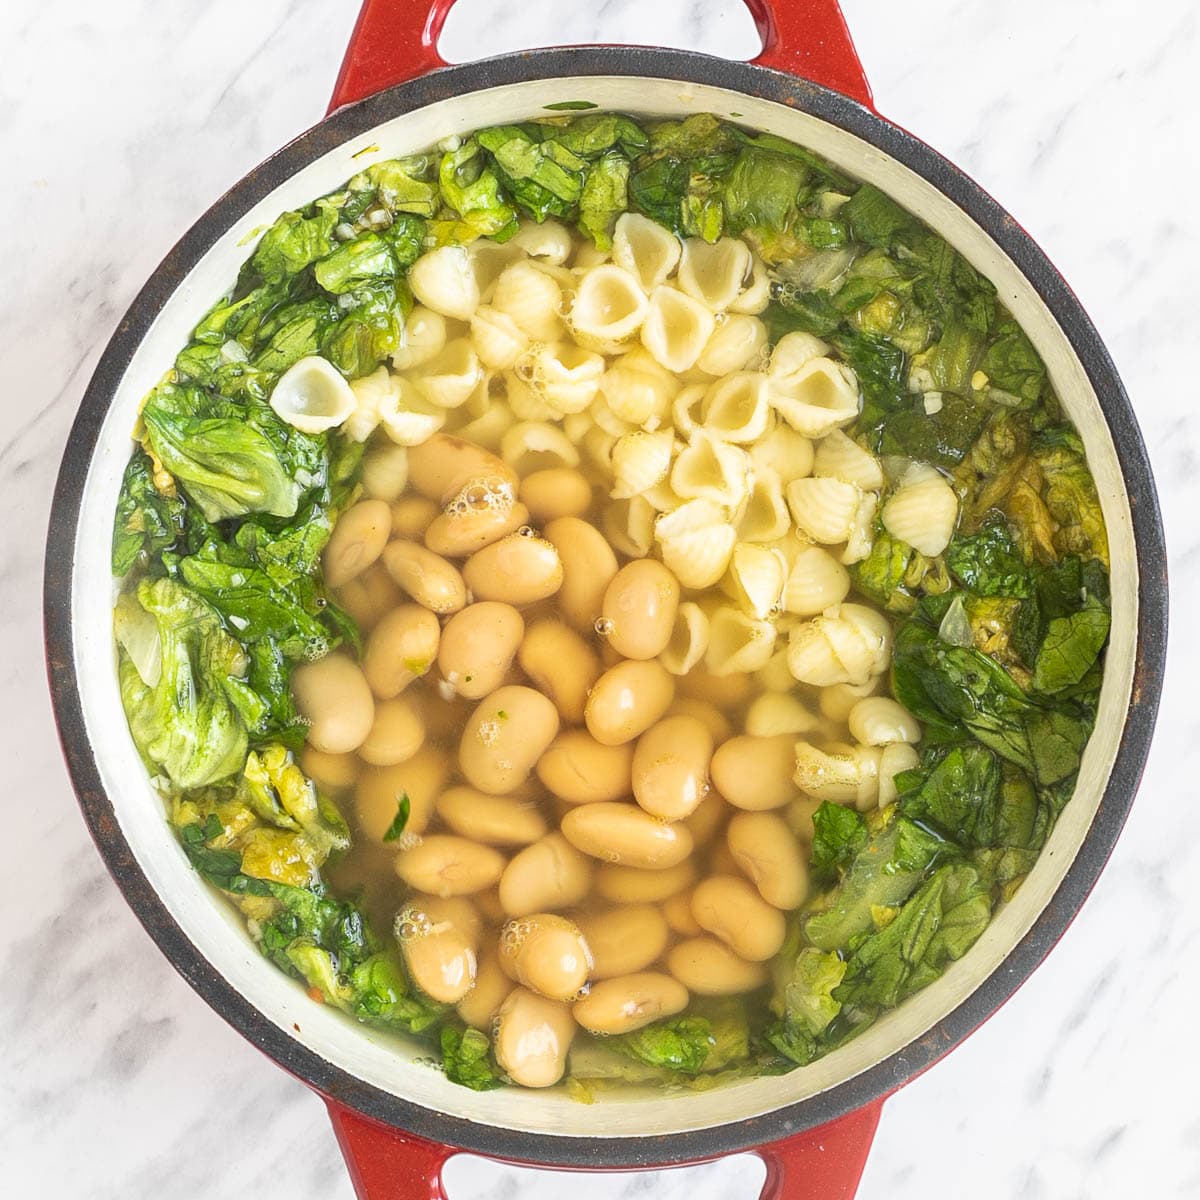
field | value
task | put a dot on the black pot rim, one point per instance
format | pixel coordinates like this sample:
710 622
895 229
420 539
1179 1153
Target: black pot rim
601 1151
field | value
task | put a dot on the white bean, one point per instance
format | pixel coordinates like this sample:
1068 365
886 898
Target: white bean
724 691
707 819
427 577
708 967
396 735
369 597
711 717
439 938
477 517
401 647
477 647
630 1001
356 542
638 611
330 772
441 466
624 939
626 835
755 772
547 954
380 791
479 1006
765 848
627 699
333 696
550 874
518 569
533 1035
411 516
505 737
670 767
734 911
444 865
561 664
588 565
580 770
677 910
555 492
495 820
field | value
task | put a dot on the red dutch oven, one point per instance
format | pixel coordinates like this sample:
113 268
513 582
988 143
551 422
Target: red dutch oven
397 1120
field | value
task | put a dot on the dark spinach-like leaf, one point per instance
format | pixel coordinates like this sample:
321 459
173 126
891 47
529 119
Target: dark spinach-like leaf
882 372
937 925
884 872
227 466
402 185
988 564
595 135
293 243
1072 644
875 218
838 833
470 187
365 259
947 684
1013 365
959 796
942 436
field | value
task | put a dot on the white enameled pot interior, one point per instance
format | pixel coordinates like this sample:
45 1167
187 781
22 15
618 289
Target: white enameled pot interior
216 931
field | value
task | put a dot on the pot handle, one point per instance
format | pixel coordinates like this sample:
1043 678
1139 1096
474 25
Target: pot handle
396 40
825 1163
386 1163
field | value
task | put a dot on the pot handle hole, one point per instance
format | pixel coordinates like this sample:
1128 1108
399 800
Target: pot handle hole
396 40
825 1163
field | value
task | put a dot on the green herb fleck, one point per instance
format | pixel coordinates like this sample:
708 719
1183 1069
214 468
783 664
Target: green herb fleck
396 828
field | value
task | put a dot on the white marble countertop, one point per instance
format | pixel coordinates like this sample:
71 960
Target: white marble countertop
121 122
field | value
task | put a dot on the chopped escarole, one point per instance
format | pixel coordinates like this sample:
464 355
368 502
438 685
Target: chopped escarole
183 684
998 655
228 466
709 1044
271 867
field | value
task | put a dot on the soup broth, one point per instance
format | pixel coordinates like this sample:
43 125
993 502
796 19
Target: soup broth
619 601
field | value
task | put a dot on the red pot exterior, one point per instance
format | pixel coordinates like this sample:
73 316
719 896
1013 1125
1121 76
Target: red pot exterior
825 1163
395 41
